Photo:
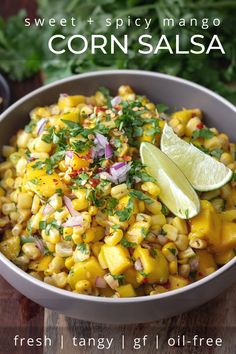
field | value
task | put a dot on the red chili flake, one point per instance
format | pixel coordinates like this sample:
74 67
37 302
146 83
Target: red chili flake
166 285
200 125
55 180
117 107
127 158
94 182
145 280
75 173
200 274
100 109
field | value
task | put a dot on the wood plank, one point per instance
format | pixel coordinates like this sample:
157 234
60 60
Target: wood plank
216 319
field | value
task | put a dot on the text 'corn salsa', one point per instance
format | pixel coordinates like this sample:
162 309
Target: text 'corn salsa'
80 212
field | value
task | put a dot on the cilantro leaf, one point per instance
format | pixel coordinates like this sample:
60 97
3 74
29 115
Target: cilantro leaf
202 133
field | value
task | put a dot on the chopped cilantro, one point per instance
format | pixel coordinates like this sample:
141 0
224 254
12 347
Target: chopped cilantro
138 131
59 191
205 133
125 243
233 179
82 247
80 145
126 213
119 277
30 127
111 204
68 238
141 196
34 181
145 275
153 252
42 225
71 124
186 213
172 250
161 108
217 152
26 239
163 232
116 142
144 232
115 227
165 210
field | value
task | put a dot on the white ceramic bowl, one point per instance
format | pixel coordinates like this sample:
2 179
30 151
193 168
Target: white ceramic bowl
176 93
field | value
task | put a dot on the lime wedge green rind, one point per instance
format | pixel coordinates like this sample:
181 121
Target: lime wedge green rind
176 192
203 171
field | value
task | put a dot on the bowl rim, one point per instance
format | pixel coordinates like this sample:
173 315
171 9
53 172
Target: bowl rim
6 90
77 296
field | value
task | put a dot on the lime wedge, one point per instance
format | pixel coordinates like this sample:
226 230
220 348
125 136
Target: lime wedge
202 171
176 191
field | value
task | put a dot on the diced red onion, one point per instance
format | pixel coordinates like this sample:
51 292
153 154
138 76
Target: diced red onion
194 263
39 244
100 283
101 140
102 147
70 154
115 101
40 125
108 151
162 239
106 175
62 95
118 165
74 221
146 245
120 173
70 207
48 209
138 265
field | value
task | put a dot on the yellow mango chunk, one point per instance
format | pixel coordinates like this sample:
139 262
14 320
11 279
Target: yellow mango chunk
207 224
155 266
186 114
78 161
43 184
70 101
89 269
176 282
126 291
228 238
207 264
41 265
116 258
130 277
10 247
224 257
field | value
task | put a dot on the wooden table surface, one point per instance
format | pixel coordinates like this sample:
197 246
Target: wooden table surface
19 315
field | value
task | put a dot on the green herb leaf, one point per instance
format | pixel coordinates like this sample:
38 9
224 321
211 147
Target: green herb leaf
202 133
125 243
141 196
126 213
83 248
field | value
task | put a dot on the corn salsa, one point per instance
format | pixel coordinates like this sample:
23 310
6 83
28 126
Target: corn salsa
79 210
